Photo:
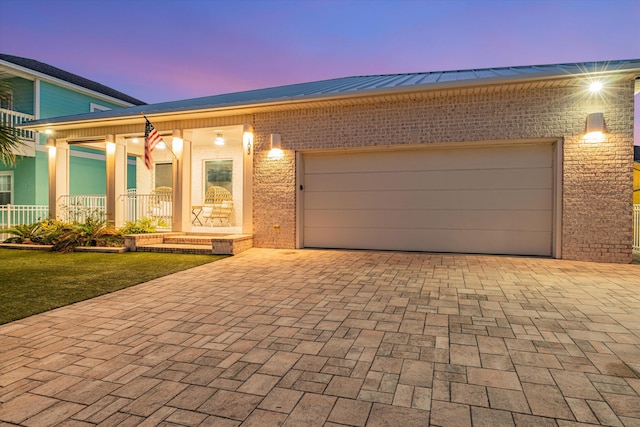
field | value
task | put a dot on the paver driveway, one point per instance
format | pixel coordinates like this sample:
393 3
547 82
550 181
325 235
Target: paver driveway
310 338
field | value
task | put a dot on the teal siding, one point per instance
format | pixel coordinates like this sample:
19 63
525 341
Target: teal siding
87 169
23 185
131 172
59 101
42 178
87 175
22 95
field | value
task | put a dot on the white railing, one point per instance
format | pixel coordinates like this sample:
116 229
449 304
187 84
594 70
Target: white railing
636 227
82 206
12 215
14 118
155 206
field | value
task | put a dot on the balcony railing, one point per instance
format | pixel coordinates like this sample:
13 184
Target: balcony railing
14 118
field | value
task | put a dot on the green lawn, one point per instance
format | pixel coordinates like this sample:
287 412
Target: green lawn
32 282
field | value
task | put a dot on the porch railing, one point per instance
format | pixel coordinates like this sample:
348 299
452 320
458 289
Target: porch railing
12 215
14 118
79 207
155 206
636 227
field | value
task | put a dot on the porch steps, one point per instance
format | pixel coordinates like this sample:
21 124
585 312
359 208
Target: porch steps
190 243
177 248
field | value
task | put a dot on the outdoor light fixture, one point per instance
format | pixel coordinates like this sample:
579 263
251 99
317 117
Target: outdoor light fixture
48 131
276 147
247 137
275 141
135 140
596 86
110 144
219 140
595 127
177 142
51 145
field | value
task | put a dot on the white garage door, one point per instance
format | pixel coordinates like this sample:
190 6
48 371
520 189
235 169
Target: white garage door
495 200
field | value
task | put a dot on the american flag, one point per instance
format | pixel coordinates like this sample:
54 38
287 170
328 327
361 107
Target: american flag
151 139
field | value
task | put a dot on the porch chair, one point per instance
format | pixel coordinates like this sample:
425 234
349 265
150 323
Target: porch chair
218 204
160 204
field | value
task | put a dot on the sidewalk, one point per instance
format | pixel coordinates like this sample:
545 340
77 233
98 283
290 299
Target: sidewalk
335 338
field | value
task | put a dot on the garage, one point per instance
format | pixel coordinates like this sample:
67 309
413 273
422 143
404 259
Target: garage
494 199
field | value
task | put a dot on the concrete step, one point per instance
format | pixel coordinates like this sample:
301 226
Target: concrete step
218 244
189 240
177 248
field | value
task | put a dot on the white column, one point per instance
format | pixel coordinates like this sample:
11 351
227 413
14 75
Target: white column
116 154
58 174
247 179
181 219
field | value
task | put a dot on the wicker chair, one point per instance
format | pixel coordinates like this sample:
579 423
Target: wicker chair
218 205
160 204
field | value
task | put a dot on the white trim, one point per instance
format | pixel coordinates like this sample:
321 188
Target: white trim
93 107
556 231
299 199
36 99
10 174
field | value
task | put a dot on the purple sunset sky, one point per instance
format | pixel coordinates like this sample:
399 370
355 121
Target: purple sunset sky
165 50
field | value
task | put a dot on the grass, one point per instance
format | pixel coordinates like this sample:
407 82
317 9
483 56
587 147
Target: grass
32 282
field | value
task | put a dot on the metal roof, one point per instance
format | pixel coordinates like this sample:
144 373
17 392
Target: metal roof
68 77
358 85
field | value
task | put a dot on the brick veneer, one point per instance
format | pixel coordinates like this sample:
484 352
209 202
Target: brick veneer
597 177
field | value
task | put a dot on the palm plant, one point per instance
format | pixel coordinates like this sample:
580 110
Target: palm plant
9 135
23 233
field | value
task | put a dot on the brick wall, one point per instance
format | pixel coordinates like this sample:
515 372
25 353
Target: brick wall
597 177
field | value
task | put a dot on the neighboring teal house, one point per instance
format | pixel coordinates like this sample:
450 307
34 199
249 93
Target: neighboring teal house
40 91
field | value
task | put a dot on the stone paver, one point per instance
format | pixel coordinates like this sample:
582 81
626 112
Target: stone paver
335 338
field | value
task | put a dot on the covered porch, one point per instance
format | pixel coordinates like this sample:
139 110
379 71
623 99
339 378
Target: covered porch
200 180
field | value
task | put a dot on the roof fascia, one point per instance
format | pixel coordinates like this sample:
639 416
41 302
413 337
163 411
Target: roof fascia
30 74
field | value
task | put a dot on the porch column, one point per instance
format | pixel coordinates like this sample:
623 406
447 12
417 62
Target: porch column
58 174
181 147
116 154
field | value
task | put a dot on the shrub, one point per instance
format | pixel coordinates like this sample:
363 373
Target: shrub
94 231
23 233
142 226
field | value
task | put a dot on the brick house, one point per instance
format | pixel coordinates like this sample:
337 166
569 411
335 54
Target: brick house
499 160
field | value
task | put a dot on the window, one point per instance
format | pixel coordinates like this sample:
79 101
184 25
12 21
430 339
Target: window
164 175
6 100
218 173
97 107
6 187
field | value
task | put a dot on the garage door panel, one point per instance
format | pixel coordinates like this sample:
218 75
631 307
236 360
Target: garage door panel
440 219
478 241
461 199
476 199
430 180
499 157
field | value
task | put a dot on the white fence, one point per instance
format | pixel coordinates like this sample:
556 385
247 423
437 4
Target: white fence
81 206
636 227
12 215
